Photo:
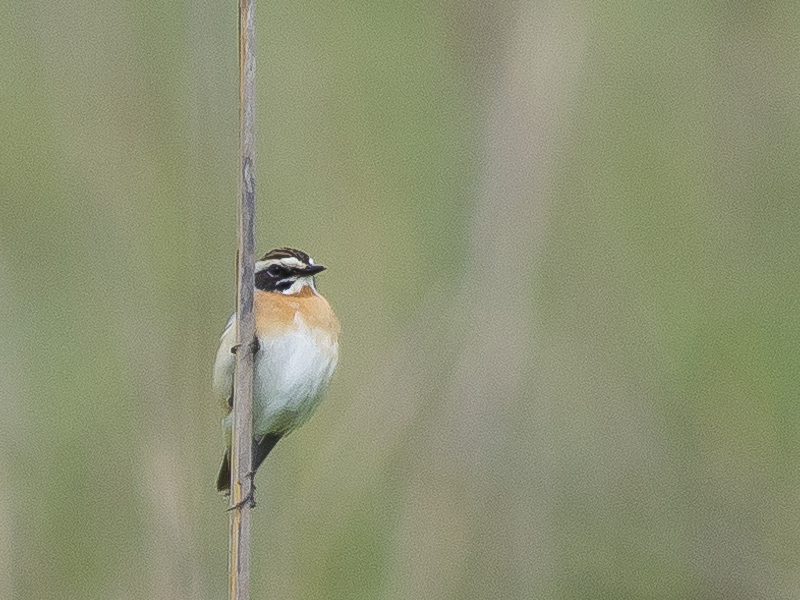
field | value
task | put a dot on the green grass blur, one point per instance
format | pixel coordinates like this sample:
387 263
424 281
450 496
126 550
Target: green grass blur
564 245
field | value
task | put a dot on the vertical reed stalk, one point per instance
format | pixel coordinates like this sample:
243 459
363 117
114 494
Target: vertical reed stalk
241 445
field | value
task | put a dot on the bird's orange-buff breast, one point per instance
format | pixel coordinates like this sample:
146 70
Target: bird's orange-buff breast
275 312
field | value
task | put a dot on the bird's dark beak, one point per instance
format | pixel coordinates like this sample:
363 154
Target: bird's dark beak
312 270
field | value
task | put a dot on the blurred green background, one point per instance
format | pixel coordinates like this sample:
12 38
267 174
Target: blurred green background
564 245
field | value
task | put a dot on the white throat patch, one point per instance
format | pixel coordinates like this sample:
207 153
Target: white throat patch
299 284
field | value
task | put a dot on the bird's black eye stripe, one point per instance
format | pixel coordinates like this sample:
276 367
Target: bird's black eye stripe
277 271
274 278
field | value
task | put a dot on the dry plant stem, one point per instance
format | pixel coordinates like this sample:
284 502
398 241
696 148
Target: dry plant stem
241 444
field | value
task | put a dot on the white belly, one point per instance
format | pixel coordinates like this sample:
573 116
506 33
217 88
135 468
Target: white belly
292 372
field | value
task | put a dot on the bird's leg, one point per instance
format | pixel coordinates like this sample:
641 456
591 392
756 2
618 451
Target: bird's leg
250 498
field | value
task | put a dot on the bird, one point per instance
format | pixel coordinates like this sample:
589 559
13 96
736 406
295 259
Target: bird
296 352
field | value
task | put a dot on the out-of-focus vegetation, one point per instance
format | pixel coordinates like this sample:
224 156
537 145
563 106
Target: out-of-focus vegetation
564 245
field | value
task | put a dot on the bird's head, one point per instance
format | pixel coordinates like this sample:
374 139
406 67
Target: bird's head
286 271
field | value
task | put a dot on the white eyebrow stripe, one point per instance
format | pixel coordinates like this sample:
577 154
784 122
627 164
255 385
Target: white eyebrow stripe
263 264
291 261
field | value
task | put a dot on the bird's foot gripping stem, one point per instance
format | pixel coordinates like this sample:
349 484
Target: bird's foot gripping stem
254 346
250 497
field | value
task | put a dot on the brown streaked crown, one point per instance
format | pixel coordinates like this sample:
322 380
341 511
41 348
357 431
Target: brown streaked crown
279 253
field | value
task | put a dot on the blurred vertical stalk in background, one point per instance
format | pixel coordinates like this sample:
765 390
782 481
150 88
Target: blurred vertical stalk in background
528 120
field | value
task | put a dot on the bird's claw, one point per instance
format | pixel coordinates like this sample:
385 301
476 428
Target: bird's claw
254 346
249 500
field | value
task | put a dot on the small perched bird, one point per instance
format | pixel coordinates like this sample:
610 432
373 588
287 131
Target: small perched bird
297 340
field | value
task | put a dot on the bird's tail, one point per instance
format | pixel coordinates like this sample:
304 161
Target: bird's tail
224 477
